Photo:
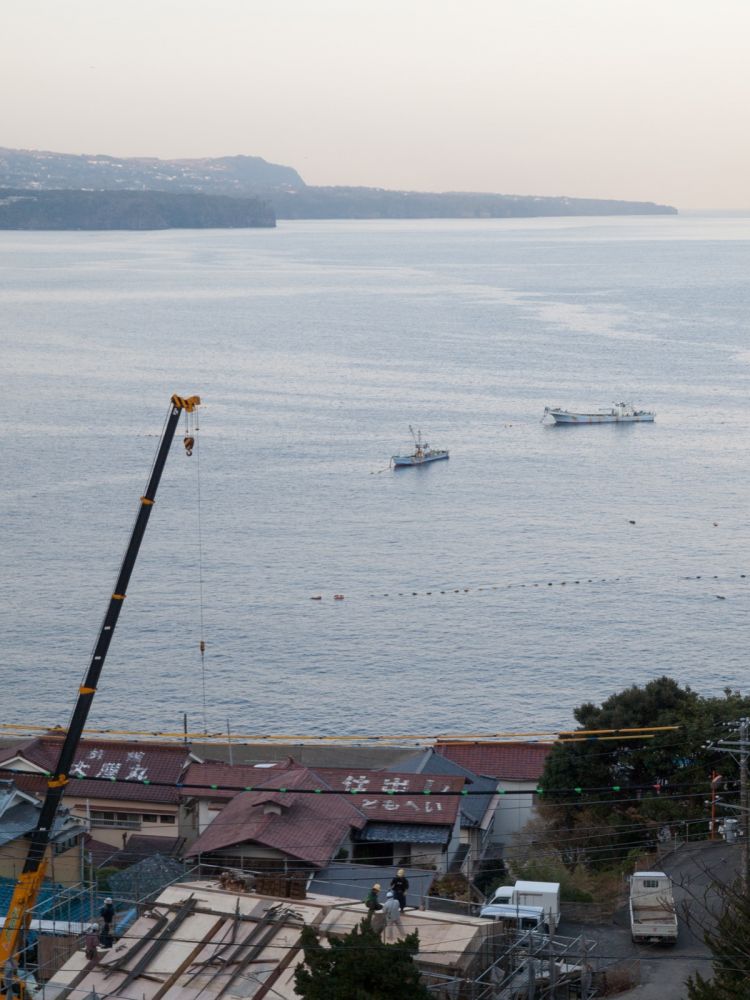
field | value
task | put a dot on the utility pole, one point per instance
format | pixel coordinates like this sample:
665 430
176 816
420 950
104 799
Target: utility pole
716 780
740 750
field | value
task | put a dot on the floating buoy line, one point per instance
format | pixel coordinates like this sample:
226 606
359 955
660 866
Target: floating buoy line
490 587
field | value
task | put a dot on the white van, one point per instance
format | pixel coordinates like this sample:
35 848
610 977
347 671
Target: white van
525 893
522 918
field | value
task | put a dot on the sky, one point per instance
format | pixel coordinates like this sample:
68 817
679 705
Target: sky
639 99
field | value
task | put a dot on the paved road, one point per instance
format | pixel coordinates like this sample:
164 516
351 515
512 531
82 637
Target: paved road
693 870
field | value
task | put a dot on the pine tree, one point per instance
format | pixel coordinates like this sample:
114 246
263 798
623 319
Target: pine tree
730 946
359 966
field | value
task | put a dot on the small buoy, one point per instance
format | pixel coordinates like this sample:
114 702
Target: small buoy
720 597
742 576
631 522
316 598
549 584
338 597
716 524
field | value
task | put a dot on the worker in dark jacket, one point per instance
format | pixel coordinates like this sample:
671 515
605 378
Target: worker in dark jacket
399 888
107 913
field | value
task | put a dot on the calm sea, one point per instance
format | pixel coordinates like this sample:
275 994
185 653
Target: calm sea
493 592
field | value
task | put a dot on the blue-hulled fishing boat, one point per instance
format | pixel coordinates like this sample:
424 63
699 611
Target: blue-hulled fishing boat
422 453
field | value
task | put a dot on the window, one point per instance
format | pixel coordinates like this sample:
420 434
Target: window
150 818
117 820
61 846
167 819
651 883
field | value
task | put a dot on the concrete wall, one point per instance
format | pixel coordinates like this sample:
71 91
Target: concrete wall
513 811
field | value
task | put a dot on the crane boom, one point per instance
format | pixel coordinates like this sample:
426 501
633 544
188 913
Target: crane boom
28 885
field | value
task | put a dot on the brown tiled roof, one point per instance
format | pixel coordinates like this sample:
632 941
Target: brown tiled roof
310 827
229 779
509 761
371 787
372 798
99 852
127 767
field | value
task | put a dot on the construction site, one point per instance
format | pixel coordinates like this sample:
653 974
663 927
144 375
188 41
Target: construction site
198 939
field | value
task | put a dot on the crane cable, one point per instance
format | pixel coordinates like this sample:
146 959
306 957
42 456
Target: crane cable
191 443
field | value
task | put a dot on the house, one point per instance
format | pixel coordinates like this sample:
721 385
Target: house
394 819
120 787
516 766
409 821
19 814
478 809
279 831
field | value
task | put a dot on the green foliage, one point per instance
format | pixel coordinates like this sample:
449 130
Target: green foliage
359 966
574 886
730 947
630 787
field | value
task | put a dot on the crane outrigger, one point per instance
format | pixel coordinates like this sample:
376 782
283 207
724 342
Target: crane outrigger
29 883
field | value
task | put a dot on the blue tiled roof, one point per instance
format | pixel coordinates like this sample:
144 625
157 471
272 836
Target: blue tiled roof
404 833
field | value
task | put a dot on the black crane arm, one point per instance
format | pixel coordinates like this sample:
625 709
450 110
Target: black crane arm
27 888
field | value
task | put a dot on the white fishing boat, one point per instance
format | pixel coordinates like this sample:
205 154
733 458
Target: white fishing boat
619 413
421 455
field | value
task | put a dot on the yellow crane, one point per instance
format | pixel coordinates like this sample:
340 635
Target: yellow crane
29 883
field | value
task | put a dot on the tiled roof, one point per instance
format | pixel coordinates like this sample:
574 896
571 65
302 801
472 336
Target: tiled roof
141 846
473 807
372 789
309 828
509 761
404 833
125 766
230 779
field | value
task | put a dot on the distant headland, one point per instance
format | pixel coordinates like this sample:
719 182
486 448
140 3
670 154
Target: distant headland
45 190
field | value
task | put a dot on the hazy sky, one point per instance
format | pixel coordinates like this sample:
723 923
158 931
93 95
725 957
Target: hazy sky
637 99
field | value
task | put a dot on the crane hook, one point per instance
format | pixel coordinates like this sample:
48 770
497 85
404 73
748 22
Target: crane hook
189 443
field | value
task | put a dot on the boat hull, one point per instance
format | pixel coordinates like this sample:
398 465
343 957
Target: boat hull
563 417
400 461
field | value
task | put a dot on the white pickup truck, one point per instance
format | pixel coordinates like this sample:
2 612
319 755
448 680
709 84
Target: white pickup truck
653 916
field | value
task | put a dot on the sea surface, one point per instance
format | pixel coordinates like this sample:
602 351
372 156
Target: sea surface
539 568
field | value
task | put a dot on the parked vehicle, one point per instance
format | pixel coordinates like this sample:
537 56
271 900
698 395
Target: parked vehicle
521 918
653 916
526 893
